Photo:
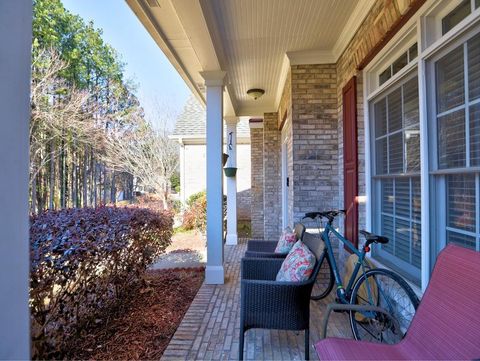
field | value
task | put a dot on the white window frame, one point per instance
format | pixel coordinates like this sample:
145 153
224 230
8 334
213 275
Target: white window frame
438 186
425 29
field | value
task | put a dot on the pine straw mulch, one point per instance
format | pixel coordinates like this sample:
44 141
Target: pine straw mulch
144 329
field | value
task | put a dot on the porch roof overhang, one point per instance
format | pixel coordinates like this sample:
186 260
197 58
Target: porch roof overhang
255 42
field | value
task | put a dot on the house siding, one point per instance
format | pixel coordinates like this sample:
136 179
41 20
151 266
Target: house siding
195 175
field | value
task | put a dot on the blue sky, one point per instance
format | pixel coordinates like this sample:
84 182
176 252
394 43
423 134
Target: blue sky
158 82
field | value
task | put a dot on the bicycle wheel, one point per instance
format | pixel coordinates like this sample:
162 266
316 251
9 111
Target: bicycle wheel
324 283
388 290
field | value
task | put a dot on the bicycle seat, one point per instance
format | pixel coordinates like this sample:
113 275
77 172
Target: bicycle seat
371 237
312 215
330 215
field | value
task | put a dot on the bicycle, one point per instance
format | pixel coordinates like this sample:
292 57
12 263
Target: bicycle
388 302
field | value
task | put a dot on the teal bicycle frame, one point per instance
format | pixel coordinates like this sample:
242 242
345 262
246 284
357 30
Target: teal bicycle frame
343 293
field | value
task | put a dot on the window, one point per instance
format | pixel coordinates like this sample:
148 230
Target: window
456 15
457 128
398 64
397 176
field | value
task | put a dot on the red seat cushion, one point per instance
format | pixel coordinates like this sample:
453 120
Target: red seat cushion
446 325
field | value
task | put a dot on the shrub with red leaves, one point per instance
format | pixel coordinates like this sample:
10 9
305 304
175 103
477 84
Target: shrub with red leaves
84 263
195 217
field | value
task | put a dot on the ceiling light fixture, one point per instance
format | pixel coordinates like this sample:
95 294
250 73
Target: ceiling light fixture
255 93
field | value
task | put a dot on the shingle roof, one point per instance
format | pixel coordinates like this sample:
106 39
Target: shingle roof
191 122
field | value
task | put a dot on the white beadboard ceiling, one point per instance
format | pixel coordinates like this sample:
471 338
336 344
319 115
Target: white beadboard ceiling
252 40
255 35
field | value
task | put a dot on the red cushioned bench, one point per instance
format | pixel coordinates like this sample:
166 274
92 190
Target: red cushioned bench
446 325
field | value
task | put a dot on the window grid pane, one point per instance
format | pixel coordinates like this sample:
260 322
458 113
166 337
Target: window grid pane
473 46
461 213
400 218
455 16
450 81
475 135
380 110
451 140
395 153
394 101
461 239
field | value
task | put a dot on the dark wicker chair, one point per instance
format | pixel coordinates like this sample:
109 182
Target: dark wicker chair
266 249
266 303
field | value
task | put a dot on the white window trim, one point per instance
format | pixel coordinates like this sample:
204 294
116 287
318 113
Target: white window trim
426 49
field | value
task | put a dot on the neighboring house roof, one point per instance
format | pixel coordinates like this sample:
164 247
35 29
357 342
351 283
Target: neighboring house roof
191 122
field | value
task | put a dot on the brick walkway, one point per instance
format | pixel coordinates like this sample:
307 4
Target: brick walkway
210 328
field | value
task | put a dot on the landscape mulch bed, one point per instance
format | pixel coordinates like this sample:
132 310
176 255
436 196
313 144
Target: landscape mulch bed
143 329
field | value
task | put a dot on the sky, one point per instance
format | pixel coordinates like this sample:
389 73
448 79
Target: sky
159 84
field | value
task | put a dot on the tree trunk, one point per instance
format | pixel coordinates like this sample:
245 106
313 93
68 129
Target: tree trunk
52 176
85 178
33 208
113 190
73 179
104 184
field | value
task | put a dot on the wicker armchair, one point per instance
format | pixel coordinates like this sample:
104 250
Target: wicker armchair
266 249
266 303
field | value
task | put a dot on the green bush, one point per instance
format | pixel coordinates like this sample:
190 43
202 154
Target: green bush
194 197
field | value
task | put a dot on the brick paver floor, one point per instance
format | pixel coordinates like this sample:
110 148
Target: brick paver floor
210 328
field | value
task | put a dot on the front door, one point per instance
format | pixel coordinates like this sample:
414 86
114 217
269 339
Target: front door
350 160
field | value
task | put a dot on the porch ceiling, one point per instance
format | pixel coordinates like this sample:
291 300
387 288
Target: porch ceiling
254 41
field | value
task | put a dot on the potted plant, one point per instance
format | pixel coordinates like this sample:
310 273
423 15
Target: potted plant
230 171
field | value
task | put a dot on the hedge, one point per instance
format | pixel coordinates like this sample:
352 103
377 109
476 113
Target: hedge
85 263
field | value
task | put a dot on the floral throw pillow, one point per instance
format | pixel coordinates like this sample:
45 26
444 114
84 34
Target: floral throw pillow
286 241
298 265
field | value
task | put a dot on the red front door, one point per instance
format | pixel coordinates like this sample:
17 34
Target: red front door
350 160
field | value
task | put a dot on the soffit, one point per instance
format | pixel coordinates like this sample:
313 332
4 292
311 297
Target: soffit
254 41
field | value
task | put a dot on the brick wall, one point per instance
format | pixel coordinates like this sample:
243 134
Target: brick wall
244 205
315 141
256 139
272 176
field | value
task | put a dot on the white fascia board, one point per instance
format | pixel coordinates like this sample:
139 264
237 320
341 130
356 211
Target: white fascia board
144 15
282 80
198 139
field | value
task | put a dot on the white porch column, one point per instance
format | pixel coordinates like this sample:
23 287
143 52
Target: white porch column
182 173
15 54
232 238
214 272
